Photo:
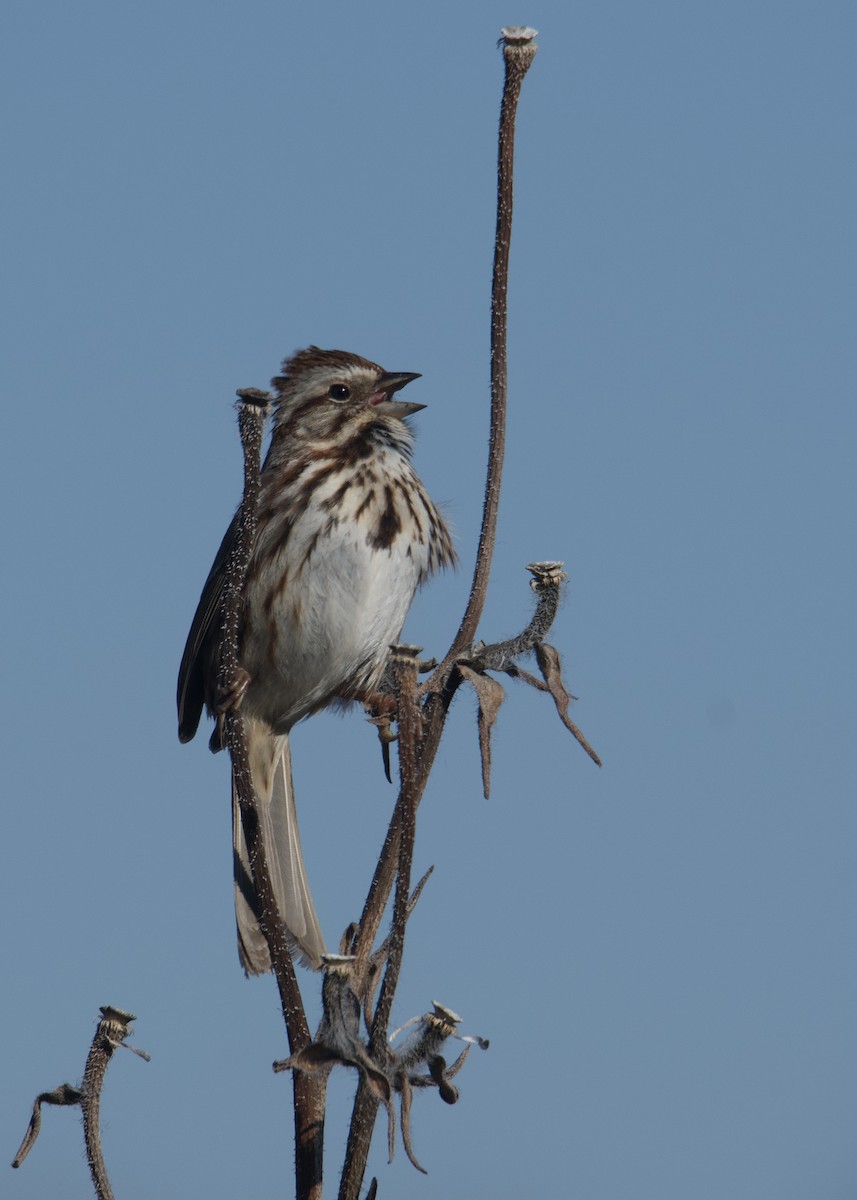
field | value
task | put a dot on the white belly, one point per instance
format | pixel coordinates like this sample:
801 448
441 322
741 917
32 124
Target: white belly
329 629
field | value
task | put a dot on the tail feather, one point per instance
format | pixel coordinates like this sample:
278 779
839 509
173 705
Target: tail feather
271 770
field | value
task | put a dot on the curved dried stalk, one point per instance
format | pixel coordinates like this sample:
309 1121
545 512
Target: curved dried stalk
111 1032
308 1089
518 52
420 726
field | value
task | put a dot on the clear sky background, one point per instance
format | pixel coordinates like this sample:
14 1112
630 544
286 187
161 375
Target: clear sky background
663 952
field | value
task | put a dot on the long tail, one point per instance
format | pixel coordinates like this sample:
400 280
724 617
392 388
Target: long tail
271 769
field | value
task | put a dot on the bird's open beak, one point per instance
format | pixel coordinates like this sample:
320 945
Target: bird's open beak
388 383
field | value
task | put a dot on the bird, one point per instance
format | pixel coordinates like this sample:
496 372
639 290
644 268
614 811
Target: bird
345 534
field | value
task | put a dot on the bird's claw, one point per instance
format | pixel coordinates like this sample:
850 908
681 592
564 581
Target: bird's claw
381 712
232 696
227 701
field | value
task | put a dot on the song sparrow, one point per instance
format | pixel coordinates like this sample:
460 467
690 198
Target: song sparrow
345 535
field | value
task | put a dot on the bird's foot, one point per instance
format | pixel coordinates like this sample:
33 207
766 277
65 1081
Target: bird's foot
381 712
227 701
232 696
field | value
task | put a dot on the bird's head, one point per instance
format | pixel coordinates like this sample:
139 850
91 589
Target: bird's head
324 392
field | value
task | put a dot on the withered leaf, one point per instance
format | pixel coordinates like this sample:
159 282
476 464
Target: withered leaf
490 695
550 667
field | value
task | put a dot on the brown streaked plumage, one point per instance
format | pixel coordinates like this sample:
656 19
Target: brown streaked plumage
345 534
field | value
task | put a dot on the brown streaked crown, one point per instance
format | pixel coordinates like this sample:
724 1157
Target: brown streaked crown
313 357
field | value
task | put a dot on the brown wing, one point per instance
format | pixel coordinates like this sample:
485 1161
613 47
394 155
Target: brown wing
197 661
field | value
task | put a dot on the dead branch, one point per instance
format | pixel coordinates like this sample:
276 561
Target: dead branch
519 50
308 1090
547 582
111 1032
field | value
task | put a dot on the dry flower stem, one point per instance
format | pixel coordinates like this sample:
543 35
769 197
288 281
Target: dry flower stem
308 1089
112 1029
518 53
399 846
405 666
519 50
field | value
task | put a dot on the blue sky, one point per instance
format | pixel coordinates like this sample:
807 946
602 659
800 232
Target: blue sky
662 952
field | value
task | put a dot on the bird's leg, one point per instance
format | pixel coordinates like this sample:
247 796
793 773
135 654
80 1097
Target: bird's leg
232 696
380 708
226 701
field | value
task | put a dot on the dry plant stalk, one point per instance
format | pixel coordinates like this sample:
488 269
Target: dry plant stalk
111 1032
352 978
518 52
308 1090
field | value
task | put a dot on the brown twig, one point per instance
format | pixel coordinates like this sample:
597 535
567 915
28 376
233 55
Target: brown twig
111 1032
518 52
405 667
547 582
398 849
65 1094
308 1089
519 49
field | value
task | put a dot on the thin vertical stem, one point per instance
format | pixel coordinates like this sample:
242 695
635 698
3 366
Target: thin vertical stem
519 50
398 848
113 1028
405 667
309 1091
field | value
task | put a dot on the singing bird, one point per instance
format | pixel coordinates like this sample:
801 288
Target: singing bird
345 535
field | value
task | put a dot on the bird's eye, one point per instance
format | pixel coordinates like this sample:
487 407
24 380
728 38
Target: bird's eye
338 391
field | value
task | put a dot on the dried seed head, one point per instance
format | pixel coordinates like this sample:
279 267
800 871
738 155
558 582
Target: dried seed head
518 35
337 964
546 574
445 1014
